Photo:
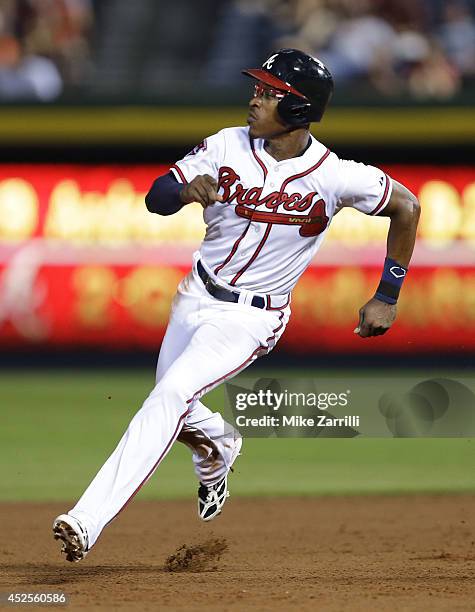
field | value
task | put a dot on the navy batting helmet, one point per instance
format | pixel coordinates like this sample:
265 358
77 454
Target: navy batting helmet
308 83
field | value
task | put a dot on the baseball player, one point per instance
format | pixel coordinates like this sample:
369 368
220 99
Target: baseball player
269 192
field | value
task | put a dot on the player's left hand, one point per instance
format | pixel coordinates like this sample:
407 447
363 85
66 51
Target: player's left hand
376 318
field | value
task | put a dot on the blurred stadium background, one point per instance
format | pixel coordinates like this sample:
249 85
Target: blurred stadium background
97 98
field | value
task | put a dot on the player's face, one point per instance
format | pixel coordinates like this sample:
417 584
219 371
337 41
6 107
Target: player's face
263 118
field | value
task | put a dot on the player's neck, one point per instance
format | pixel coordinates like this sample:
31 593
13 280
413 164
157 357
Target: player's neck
288 145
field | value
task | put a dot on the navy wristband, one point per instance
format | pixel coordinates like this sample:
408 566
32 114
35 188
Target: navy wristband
391 281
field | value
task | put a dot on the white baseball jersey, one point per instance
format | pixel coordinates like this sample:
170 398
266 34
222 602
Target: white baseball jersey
275 214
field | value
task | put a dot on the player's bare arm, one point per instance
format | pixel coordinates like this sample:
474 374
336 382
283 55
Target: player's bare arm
377 315
404 211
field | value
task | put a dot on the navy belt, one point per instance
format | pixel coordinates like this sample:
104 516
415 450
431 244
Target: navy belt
220 293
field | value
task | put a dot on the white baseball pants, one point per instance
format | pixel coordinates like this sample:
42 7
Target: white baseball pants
207 342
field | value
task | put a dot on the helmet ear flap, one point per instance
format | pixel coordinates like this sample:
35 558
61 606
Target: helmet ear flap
294 110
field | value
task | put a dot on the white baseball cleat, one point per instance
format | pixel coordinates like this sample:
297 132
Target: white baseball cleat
212 497
73 536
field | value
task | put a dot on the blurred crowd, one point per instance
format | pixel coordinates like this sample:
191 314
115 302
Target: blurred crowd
44 47
421 48
418 48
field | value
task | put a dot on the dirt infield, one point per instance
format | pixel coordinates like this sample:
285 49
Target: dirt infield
353 553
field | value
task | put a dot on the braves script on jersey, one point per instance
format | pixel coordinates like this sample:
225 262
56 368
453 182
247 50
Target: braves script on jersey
275 214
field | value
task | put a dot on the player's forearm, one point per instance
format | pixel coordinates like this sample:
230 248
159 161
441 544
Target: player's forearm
402 230
164 196
404 211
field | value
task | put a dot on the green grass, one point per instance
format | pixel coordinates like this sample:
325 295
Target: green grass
57 428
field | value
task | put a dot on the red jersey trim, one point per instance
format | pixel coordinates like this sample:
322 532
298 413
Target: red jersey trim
258 159
381 203
180 173
269 303
256 253
233 250
305 172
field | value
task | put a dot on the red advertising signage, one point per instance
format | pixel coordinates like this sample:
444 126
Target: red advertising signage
127 306
82 263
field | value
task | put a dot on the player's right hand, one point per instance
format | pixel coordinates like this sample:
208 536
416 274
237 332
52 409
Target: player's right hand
202 189
376 318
